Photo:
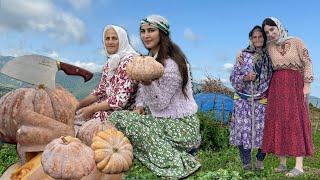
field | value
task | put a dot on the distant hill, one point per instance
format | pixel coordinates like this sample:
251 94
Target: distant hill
315 101
76 84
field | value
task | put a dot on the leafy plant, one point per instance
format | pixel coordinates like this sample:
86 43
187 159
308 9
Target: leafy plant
214 134
212 84
8 156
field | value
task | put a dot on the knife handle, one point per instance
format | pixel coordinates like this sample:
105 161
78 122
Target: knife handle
74 70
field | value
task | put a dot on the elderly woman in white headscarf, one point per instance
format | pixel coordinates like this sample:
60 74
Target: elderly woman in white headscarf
115 90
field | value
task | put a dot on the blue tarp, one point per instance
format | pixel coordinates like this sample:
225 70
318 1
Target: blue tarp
220 104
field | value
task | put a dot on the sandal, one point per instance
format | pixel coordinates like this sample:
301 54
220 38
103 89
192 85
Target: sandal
294 173
280 168
259 166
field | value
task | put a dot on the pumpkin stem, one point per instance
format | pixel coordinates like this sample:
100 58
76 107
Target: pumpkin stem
115 150
41 86
64 140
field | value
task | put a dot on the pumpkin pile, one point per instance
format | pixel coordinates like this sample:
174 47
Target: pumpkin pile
40 119
144 68
33 117
112 151
90 129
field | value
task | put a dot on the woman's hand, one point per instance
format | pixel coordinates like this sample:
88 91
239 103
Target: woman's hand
306 89
250 77
146 83
86 112
239 58
139 110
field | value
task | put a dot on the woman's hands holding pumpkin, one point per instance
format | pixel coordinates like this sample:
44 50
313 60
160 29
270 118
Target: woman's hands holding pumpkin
139 110
146 83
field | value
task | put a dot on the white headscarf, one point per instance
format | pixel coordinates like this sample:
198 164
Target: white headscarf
124 49
283 31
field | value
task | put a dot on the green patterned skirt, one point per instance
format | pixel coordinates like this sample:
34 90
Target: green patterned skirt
161 143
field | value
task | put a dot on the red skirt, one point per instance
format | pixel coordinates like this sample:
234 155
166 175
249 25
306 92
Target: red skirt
287 130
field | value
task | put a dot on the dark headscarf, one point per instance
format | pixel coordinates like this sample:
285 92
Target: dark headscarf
260 59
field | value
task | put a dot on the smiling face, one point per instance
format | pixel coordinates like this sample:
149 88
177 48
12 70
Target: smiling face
257 39
272 32
111 41
150 36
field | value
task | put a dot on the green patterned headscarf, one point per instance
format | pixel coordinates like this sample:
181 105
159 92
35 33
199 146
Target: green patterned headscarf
158 22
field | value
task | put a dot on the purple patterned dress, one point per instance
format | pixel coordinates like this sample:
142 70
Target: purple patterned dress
242 118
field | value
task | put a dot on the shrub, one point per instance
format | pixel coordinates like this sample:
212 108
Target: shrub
215 135
212 84
8 156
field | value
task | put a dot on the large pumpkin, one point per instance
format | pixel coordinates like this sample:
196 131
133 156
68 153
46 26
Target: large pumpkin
90 128
32 117
144 68
67 158
112 151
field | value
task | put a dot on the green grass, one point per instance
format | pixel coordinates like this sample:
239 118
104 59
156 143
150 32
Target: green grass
220 162
226 164
8 156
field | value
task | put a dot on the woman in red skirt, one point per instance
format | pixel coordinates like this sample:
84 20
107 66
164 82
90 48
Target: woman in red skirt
287 126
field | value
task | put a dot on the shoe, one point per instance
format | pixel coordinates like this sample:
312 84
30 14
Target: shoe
259 165
247 167
294 173
281 168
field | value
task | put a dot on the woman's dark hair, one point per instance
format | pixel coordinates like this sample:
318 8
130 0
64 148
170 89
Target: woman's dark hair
259 28
170 49
268 22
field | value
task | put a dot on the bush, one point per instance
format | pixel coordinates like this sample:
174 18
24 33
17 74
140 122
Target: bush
214 134
212 84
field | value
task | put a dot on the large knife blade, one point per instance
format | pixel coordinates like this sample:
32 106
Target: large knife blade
40 70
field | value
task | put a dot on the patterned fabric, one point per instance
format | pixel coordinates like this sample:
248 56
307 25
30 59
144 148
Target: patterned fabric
292 54
164 97
262 66
161 143
118 91
158 22
282 30
287 128
241 133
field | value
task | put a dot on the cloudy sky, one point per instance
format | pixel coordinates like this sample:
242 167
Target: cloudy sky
209 32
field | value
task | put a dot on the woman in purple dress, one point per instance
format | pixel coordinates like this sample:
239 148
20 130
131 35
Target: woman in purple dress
250 80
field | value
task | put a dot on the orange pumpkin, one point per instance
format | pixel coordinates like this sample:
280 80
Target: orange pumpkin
112 151
144 68
67 158
32 117
90 128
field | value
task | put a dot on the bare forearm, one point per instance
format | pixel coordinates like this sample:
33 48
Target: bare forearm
103 106
87 101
